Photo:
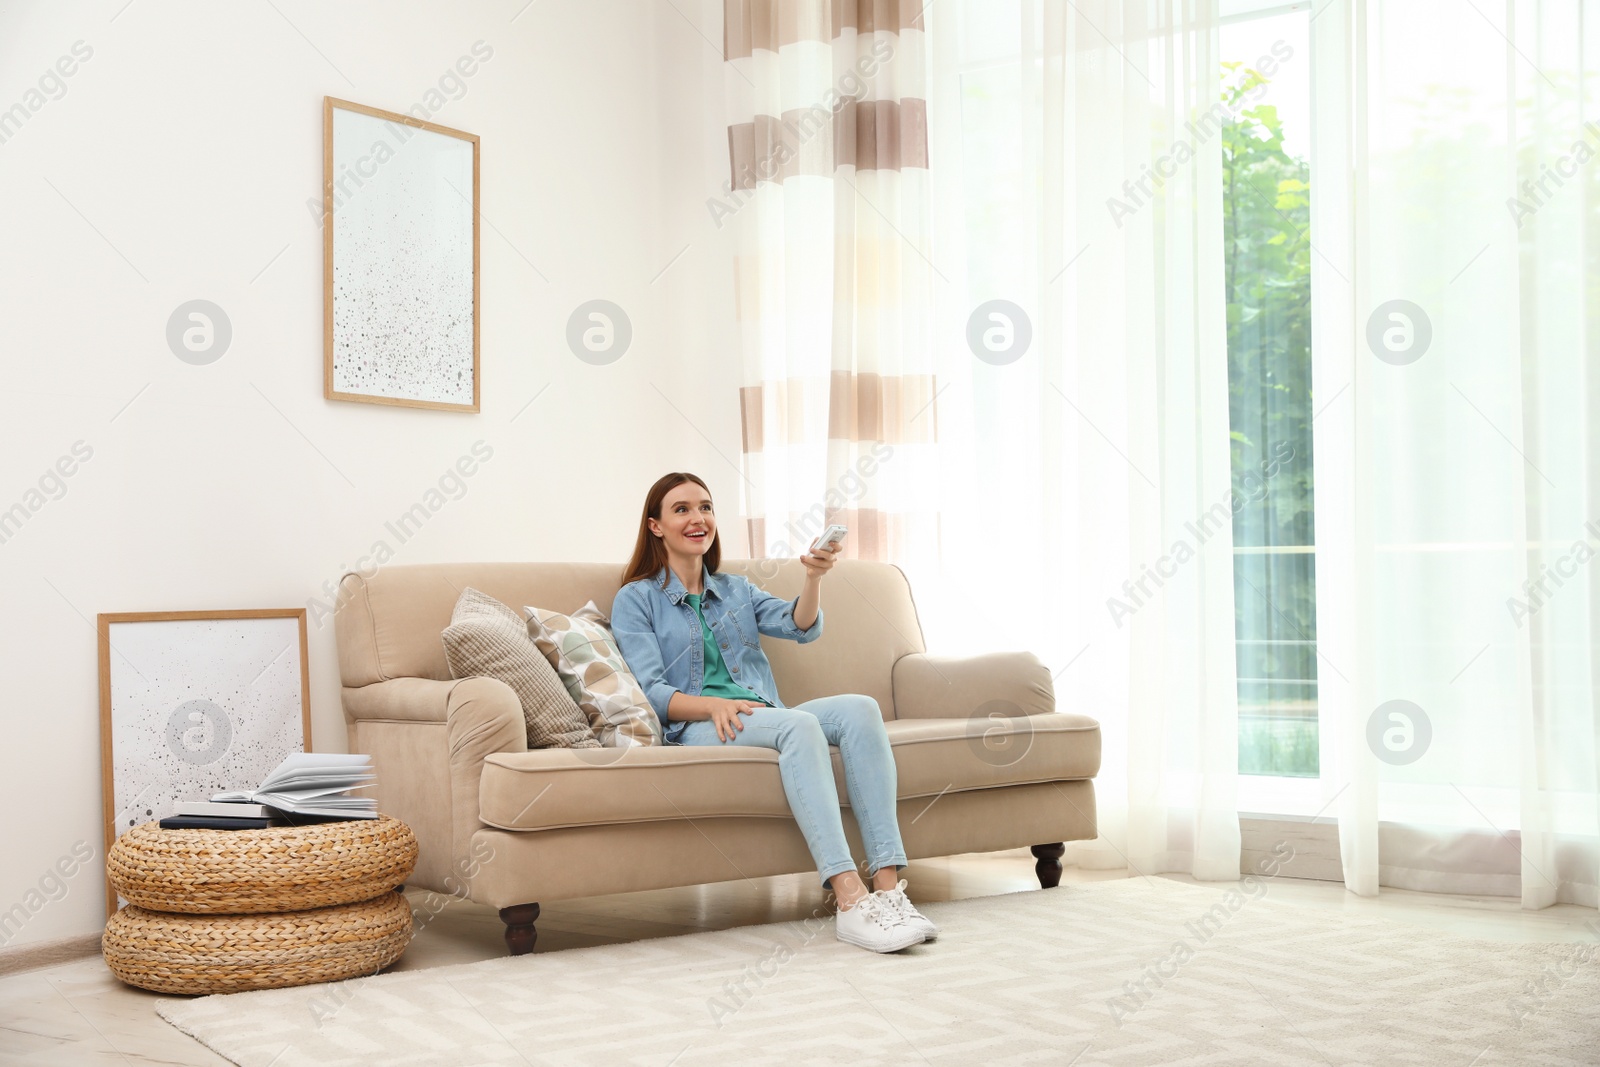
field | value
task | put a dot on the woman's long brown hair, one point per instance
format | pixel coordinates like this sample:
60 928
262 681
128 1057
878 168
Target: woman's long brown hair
649 553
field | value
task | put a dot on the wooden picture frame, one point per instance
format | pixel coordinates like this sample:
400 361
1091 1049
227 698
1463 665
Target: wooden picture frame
181 740
399 373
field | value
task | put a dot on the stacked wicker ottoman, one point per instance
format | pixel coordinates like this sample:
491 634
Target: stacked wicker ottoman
220 911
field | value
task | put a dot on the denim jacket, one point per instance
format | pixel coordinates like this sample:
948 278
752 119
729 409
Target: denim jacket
659 636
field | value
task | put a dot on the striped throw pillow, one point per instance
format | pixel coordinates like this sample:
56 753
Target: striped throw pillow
487 638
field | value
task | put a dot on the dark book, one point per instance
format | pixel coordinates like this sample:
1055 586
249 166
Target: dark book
213 822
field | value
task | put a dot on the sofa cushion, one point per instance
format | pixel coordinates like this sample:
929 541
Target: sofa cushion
487 638
547 790
935 755
583 652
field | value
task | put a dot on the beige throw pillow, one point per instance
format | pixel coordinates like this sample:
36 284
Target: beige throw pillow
580 647
485 637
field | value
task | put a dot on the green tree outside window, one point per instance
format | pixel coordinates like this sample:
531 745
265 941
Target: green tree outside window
1267 220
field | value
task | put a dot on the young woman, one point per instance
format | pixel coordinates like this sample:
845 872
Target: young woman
691 636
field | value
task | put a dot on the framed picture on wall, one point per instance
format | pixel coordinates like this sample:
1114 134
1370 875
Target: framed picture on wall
194 703
400 259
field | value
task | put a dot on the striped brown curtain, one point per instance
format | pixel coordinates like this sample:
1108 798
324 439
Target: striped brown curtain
828 187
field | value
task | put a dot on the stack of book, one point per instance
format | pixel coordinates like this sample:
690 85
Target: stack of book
204 815
306 787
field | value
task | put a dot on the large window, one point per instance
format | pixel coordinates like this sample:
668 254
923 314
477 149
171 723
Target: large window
1267 181
1266 225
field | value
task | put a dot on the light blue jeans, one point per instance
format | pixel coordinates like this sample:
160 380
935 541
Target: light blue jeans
802 735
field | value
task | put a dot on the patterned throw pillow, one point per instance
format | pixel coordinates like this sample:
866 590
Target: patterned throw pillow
580 647
487 638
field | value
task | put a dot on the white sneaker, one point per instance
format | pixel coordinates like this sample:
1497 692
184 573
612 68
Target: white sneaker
875 924
896 898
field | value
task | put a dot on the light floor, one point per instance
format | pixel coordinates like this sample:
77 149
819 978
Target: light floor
77 1013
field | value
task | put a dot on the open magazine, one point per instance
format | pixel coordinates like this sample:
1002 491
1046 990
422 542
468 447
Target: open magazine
314 783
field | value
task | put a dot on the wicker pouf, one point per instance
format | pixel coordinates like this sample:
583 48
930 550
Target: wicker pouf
219 911
280 868
173 953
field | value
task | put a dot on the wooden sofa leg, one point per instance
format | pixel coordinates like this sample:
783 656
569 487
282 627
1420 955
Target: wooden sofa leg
1048 867
520 934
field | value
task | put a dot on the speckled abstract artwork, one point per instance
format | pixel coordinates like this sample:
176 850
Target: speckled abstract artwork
198 707
402 261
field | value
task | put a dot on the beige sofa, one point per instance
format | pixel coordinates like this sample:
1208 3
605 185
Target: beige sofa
984 761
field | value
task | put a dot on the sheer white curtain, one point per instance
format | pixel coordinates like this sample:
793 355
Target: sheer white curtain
1455 299
1085 489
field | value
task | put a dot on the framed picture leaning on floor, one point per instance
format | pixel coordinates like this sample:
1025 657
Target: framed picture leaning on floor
194 703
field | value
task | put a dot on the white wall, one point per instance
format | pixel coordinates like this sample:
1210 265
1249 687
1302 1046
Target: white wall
176 165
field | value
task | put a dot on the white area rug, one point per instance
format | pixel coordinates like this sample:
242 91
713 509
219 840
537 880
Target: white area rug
1129 972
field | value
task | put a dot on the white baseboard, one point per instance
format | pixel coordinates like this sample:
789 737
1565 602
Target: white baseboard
48 953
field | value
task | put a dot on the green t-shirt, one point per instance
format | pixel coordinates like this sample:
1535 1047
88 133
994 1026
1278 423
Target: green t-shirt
718 682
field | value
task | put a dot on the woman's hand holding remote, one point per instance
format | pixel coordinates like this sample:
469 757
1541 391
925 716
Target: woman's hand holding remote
820 560
817 562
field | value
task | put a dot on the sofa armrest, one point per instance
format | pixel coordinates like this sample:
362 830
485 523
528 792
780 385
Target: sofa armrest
481 716
954 687
399 700
484 714
484 717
